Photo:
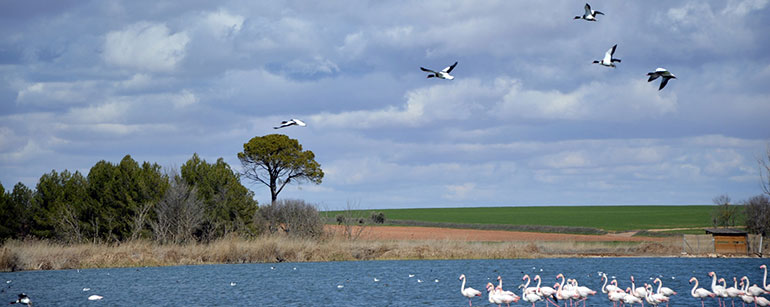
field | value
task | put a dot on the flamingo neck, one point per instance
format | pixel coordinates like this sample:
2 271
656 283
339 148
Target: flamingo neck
714 281
462 287
527 284
660 284
764 279
501 283
693 288
604 286
633 286
539 280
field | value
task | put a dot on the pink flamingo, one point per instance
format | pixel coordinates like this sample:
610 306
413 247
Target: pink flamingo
566 293
631 299
764 279
584 292
753 290
613 286
615 296
546 292
500 279
468 292
717 289
732 292
700 292
652 298
505 297
638 291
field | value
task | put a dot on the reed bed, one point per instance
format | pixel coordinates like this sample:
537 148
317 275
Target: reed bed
48 255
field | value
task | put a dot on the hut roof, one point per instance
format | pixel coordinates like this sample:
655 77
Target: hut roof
726 231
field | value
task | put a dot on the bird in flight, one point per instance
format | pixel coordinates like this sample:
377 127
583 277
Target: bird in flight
590 14
291 122
662 73
443 74
608 60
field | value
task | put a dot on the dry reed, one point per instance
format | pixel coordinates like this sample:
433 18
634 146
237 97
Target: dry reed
46 255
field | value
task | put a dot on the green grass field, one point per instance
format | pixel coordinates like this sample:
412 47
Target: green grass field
609 218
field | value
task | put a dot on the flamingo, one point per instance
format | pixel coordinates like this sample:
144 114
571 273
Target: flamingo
733 291
666 291
494 297
631 299
654 299
468 292
500 279
746 297
611 287
546 292
753 290
590 14
640 293
530 297
506 297
443 74
663 73
527 288
700 292
566 292
764 279
584 292
717 289
616 296
761 301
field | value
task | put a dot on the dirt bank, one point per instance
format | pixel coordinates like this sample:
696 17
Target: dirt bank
436 233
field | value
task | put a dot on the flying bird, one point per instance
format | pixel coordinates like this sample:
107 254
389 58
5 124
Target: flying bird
608 60
291 122
663 73
443 74
590 14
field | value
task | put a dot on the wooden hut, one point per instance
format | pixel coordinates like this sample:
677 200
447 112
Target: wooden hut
729 241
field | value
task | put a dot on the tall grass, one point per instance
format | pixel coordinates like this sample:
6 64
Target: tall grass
47 255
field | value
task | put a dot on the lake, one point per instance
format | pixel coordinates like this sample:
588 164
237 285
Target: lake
433 282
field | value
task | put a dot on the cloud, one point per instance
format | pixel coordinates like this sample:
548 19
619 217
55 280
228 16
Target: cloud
145 46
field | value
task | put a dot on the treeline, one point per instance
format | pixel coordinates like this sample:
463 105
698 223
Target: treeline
119 202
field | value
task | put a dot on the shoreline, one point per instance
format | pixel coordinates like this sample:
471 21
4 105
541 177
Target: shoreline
45 255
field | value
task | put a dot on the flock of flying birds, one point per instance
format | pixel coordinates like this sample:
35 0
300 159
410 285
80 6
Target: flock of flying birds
608 60
570 291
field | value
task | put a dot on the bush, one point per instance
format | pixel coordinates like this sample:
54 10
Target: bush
292 217
378 217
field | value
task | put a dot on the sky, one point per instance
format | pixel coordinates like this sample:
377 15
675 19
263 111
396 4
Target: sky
528 119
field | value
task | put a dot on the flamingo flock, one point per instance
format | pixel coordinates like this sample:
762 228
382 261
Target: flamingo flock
568 292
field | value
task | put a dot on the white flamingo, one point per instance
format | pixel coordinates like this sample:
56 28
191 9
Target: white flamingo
584 292
530 297
611 287
507 297
639 292
546 292
566 292
468 292
616 296
732 292
700 292
764 279
500 279
746 297
494 296
761 301
654 299
527 288
631 299
753 290
717 289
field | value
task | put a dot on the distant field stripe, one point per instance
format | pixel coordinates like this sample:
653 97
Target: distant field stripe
610 218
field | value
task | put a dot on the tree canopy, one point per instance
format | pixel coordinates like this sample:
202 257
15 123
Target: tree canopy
275 160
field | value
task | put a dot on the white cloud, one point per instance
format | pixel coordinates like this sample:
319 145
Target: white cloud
146 46
460 192
223 24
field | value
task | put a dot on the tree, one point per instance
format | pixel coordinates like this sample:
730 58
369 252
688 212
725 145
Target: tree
724 215
757 212
178 214
229 206
275 160
764 171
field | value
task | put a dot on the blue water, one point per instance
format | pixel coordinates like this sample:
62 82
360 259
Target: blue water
317 284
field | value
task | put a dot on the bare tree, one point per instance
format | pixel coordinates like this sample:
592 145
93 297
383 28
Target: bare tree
292 217
140 220
724 214
757 211
179 213
354 222
764 171
68 224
